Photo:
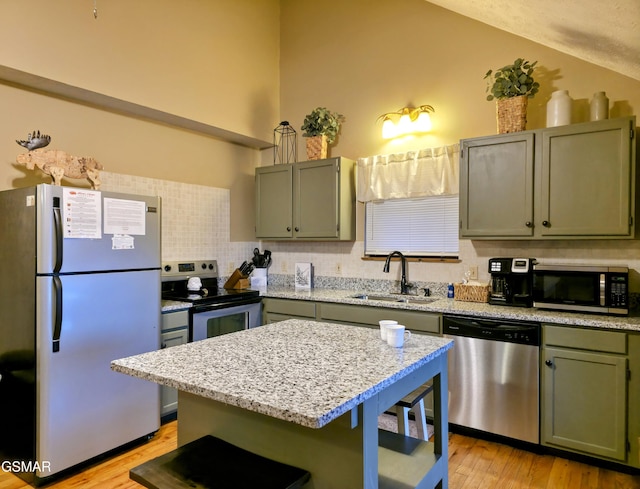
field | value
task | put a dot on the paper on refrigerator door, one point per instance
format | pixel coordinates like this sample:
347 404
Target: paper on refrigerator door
122 216
81 213
122 242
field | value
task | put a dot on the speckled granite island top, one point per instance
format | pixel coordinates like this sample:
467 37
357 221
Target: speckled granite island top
305 372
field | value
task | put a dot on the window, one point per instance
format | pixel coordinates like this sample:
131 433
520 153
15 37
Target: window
415 227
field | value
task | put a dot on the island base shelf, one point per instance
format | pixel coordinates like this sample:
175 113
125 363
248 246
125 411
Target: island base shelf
405 462
211 462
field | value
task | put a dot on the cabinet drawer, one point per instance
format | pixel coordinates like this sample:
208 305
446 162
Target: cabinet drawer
369 316
175 319
585 339
173 338
290 307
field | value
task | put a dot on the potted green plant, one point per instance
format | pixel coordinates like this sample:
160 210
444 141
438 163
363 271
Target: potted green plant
511 86
321 128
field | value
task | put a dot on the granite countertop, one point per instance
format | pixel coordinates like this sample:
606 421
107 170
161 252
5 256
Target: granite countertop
171 306
305 372
451 306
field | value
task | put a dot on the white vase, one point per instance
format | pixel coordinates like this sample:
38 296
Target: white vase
599 107
559 109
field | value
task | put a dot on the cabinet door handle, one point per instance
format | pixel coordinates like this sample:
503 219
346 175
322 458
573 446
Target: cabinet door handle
546 223
288 228
548 363
528 224
297 229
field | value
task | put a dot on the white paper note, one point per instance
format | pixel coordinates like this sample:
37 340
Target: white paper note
81 214
124 216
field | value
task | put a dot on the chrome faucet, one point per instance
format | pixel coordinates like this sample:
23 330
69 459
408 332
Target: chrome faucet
404 287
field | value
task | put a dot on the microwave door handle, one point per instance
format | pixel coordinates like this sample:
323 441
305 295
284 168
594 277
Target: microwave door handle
603 286
57 319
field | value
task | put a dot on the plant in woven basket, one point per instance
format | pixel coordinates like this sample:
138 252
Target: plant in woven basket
322 122
320 127
512 86
512 80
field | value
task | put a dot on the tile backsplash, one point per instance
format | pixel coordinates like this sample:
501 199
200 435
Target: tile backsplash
195 219
196 225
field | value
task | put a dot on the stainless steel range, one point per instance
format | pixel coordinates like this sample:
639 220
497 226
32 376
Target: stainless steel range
214 310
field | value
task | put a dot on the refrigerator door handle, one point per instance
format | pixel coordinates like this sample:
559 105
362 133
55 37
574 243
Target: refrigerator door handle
57 320
57 229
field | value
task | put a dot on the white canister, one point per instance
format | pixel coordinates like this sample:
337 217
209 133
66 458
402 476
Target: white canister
599 106
259 278
559 109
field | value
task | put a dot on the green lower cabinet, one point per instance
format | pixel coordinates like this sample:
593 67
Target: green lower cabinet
633 411
415 321
584 396
274 310
175 331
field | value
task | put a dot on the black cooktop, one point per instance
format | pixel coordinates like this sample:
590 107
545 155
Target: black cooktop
208 296
175 276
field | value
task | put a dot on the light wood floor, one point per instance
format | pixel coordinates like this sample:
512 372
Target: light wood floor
473 464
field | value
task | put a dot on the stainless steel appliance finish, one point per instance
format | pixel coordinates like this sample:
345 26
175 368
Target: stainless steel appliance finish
218 319
586 288
68 307
511 281
214 310
493 376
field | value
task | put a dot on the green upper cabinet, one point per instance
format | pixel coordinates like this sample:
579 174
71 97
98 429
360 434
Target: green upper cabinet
496 186
311 200
586 180
274 201
568 182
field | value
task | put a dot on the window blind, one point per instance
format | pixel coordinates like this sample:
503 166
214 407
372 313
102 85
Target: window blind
415 227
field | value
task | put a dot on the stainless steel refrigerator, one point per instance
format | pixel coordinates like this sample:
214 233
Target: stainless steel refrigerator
79 287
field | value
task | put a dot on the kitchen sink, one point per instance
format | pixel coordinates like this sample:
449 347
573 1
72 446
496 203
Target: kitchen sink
407 299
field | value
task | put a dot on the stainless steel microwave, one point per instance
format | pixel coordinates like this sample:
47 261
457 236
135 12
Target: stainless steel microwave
585 288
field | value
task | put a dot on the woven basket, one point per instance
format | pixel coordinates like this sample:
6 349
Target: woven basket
471 292
512 114
317 148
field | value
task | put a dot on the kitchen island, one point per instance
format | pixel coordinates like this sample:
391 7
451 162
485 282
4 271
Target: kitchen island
309 394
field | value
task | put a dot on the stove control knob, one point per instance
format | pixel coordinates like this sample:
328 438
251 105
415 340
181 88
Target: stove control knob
204 266
210 266
167 268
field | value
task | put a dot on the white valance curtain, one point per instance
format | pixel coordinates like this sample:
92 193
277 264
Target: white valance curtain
422 173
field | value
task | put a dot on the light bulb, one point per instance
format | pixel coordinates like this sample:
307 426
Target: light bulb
404 125
423 123
389 130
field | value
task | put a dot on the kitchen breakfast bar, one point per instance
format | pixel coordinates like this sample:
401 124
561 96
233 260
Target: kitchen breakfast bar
308 394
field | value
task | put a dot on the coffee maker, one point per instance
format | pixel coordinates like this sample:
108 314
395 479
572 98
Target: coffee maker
511 281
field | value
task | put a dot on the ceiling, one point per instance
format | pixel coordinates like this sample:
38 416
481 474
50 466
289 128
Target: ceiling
603 32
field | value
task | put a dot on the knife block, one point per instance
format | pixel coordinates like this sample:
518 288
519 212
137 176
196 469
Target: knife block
237 281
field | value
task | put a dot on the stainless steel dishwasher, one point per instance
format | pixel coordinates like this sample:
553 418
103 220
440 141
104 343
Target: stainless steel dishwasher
494 376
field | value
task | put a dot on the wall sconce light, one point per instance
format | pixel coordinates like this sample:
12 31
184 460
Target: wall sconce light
408 120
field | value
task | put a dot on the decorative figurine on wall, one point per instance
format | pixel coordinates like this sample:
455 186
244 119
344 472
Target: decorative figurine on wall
57 163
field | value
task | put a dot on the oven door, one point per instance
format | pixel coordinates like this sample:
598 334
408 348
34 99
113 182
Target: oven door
218 319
